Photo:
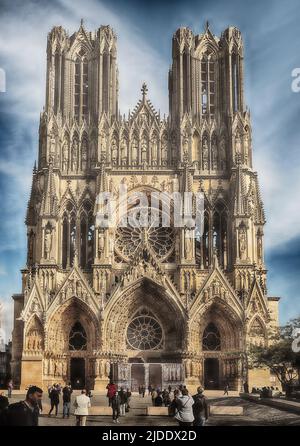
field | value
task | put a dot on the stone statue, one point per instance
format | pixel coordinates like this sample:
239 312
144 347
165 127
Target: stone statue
223 154
214 154
205 154
124 150
114 150
144 149
47 243
134 151
74 155
154 149
84 155
65 157
242 244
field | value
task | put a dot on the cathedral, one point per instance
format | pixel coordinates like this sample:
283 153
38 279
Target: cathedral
143 305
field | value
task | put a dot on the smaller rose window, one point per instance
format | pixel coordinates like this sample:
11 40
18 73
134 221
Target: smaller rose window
144 333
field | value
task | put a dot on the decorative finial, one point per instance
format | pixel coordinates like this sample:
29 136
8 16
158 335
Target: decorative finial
207 25
81 22
144 90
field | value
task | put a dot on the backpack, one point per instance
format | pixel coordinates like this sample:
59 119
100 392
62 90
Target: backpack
198 404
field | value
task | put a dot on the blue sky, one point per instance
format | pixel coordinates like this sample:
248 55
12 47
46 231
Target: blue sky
144 29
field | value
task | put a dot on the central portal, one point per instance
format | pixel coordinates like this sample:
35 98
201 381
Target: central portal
211 373
77 373
137 376
155 376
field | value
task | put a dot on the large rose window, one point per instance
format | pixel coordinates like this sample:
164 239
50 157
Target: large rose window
144 333
159 238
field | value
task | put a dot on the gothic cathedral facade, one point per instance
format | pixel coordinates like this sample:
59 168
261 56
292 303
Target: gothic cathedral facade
143 307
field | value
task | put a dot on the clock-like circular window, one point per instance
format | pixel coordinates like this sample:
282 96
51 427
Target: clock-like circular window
159 238
144 333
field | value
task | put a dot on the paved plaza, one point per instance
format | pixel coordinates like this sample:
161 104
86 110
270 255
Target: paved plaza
254 414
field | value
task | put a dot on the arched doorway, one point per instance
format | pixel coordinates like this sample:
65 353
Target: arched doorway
211 342
77 343
211 373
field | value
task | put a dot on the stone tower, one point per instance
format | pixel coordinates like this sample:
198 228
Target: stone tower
144 306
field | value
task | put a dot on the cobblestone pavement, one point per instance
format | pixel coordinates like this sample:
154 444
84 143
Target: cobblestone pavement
254 414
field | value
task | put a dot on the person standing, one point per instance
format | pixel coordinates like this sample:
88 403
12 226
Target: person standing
54 400
3 406
184 404
200 408
123 399
143 391
153 396
24 413
115 404
149 389
158 402
67 391
9 388
82 404
111 391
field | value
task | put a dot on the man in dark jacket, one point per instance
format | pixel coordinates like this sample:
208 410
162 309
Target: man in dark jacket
25 413
200 408
67 391
54 400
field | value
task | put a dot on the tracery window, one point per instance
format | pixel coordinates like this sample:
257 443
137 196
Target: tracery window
77 337
208 84
81 83
144 332
159 238
211 340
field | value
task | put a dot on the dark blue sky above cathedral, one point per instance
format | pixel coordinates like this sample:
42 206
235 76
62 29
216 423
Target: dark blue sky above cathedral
144 28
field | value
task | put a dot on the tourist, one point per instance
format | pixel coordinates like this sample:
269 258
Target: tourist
111 391
149 389
226 389
82 403
54 400
123 399
128 398
143 391
67 391
158 402
170 388
24 413
246 387
200 408
166 398
153 396
3 406
115 404
9 388
184 405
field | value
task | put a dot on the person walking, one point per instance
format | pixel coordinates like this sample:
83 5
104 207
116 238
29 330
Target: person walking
128 398
123 399
24 413
200 408
111 391
184 405
149 389
10 387
143 391
54 400
67 392
226 389
115 404
82 404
